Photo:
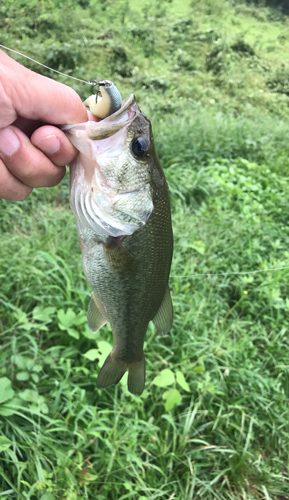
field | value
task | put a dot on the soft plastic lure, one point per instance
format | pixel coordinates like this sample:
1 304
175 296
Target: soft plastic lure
109 102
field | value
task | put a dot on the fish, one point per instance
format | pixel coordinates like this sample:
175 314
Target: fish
120 200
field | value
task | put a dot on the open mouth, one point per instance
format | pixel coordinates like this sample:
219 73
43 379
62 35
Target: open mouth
94 201
107 127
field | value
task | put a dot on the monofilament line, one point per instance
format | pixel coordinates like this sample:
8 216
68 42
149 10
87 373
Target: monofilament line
47 67
95 83
234 272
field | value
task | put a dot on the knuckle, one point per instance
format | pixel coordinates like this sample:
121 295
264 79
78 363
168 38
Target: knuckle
13 193
22 195
55 179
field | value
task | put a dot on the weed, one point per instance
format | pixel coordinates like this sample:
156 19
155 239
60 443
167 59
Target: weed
212 422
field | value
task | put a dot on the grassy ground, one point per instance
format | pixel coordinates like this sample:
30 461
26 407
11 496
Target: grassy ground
214 424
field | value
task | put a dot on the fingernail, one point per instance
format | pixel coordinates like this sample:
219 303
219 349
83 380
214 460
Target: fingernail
9 142
49 145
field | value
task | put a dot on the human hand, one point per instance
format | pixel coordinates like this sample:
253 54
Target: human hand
33 154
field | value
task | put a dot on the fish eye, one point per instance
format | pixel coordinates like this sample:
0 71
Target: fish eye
139 146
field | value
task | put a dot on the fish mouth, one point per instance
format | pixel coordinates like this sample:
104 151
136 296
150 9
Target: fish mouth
97 203
107 127
125 105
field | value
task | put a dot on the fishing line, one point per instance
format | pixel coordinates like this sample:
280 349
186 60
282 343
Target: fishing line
189 275
47 67
95 83
233 272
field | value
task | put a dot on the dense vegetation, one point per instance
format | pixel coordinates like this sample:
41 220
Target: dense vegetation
279 4
213 77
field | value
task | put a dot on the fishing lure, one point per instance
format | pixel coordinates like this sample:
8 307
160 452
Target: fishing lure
108 90
109 102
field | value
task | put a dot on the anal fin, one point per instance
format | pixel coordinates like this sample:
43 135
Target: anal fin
95 318
164 318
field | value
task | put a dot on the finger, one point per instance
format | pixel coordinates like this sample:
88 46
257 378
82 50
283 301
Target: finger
37 97
26 162
92 117
54 144
12 188
27 126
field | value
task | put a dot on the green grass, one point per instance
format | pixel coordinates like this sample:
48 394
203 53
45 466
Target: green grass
225 156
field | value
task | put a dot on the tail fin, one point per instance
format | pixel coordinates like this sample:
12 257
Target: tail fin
113 370
110 373
136 377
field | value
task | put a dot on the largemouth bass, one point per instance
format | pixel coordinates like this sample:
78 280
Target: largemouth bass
119 196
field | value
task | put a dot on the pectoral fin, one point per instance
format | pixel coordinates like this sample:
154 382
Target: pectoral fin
118 257
164 318
95 319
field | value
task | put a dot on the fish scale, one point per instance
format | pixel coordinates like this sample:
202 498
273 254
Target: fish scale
127 263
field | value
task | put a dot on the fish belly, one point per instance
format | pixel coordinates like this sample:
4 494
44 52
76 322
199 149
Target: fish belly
129 278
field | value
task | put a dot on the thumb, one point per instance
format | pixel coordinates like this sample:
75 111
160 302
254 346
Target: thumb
37 97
